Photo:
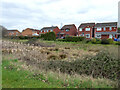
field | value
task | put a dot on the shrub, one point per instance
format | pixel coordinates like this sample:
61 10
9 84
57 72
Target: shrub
88 41
74 39
104 41
98 41
118 43
62 40
49 36
93 41
103 65
110 40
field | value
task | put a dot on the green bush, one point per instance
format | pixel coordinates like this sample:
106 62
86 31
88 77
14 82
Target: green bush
88 41
103 65
105 41
62 40
49 36
93 41
98 41
118 43
110 41
74 39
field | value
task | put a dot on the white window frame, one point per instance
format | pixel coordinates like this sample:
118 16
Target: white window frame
80 29
87 29
99 29
86 35
97 34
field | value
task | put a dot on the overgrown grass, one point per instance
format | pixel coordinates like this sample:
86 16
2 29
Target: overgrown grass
14 76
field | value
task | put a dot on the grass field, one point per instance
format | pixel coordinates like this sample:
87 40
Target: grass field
14 76
55 64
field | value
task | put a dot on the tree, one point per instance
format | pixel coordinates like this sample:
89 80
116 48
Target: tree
3 31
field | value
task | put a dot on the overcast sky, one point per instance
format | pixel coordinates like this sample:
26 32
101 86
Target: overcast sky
21 14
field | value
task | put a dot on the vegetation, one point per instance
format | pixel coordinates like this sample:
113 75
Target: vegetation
107 41
103 65
23 78
74 39
49 36
3 31
65 64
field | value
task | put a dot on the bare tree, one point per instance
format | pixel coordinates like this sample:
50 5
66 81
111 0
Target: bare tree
3 31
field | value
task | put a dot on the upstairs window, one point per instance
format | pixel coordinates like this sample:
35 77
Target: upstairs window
41 31
80 29
104 28
99 29
87 29
51 30
110 28
47 30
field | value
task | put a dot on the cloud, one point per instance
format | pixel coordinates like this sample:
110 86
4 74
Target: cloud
20 14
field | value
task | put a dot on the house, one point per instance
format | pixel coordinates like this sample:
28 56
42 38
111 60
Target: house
106 30
30 32
68 30
13 33
87 30
54 29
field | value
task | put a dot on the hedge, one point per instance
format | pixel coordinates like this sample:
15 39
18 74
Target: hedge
49 36
74 39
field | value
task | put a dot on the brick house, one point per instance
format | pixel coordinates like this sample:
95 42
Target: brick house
68 30
106 30
13 33
87 30
54 29
30 32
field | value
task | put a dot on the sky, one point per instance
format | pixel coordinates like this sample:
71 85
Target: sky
22 14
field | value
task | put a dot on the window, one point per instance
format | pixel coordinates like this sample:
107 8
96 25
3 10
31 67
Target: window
98 35
110 28
104 28
67 30
47 30
99 29
87 35
41 31
80 29
51 30
87 29
44 31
